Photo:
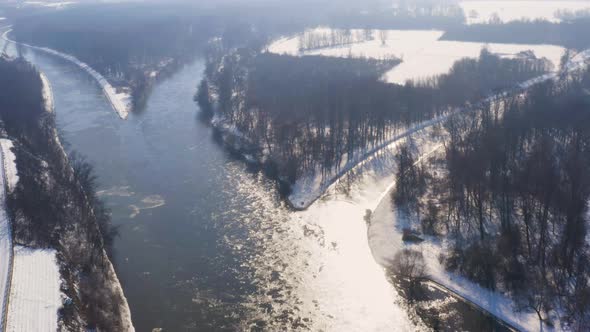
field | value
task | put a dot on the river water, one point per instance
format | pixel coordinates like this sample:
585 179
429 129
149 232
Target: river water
206 243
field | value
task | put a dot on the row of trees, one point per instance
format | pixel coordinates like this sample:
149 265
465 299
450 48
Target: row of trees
512 196
55 204
313 113
526 32
316 39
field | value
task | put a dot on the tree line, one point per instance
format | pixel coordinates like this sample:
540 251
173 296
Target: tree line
317 39
566 33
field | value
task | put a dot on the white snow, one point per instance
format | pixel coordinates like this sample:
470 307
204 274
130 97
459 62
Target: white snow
121 102
5 248
423 54
35 295
350 284
515 10
47 94
52 4
9 164
125 311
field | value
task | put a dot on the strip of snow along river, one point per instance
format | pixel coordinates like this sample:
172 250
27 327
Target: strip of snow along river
120 101
6 181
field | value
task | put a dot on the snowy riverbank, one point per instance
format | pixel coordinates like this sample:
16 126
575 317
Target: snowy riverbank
348 282
6 250
120 102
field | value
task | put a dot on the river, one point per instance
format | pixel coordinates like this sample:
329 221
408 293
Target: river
205 242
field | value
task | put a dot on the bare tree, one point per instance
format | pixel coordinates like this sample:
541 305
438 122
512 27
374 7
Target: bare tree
409 265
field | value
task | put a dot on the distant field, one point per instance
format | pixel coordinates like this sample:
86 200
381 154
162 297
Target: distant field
422 53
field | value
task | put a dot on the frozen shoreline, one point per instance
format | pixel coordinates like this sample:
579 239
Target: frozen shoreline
120 102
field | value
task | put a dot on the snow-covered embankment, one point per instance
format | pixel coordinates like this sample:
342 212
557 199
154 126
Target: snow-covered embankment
120 102
7 181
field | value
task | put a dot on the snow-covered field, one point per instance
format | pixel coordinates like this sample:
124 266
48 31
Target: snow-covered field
482 11
423 54
35 295
121 102
5 237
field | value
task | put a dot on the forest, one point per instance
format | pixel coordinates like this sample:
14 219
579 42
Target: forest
312 113
55 204
510 193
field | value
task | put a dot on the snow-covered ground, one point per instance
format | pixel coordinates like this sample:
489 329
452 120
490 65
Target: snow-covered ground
121 102
5 242
9 164
117 289
483 11
349 283
51 4
35 295
423 54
